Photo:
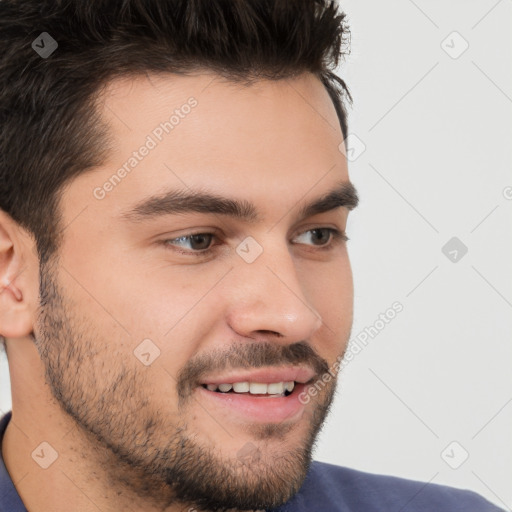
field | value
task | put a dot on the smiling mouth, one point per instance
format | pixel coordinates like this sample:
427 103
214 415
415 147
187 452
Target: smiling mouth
262 389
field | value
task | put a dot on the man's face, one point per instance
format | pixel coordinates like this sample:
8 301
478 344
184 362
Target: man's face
141 321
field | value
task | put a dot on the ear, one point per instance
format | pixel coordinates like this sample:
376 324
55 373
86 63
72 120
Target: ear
19 279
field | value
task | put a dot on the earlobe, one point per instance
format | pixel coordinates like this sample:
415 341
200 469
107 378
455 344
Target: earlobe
8 286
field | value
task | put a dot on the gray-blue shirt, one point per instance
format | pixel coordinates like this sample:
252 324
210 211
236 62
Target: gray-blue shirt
330 488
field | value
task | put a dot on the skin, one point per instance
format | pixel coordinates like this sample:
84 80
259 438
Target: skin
76 383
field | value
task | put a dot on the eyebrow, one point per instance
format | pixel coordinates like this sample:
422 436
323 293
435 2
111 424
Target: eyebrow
180 201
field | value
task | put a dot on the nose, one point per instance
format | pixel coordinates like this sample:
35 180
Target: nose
267 298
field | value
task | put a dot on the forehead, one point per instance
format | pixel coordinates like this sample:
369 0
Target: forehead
131 99
267 140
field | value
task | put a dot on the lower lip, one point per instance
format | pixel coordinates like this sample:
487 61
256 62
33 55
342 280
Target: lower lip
259 408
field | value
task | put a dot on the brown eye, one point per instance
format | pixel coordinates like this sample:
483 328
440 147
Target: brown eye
322 237
201 241
193 243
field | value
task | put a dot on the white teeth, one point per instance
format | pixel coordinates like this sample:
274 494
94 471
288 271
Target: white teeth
241 387
257 388
254 388
276 388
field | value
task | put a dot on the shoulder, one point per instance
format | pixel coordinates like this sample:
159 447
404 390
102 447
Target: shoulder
335 488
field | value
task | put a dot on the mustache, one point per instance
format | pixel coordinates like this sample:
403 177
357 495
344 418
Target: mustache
248 355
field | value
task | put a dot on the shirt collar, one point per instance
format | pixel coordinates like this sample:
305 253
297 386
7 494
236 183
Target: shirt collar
10 500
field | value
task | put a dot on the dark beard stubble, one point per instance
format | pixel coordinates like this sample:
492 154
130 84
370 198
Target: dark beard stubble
131 439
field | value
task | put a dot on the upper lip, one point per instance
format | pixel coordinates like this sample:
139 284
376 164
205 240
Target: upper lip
300 374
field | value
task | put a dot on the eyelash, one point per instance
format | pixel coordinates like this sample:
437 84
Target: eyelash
337 237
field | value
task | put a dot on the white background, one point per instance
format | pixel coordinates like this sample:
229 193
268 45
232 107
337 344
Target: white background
438 136
437 132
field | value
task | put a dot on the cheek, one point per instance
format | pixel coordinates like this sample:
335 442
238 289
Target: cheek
172 310
126 319
330 292
330 289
